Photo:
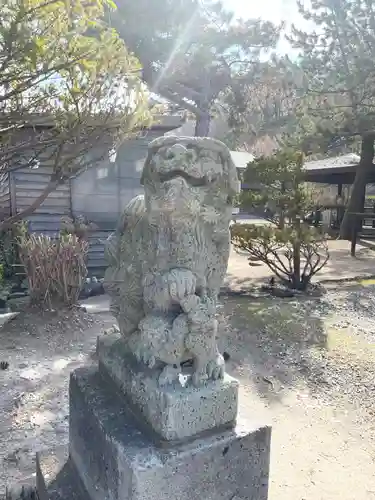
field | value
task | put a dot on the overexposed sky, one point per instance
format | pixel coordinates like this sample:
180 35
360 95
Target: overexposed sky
270 10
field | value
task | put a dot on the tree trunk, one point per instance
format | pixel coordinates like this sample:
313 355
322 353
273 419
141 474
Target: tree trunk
357 196
282 211
202 125
296 224
51 186
296 265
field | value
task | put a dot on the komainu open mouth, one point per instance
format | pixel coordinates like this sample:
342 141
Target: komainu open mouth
192 180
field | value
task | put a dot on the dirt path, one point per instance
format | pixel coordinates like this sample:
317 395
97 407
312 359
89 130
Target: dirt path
341 265
317 452
34 389
306 366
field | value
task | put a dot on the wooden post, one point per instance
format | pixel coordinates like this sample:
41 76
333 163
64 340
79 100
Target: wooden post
340 208
13 194
70 198
354 238
357 226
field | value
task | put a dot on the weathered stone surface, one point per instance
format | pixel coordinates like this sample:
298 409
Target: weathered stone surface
57 478
174 412
169 255
21 492
117 462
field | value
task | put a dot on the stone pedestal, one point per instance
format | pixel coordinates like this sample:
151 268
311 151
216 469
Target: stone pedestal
172 413
131 440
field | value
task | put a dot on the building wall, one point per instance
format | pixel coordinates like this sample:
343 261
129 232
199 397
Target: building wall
28 185
5 208
218 129
100 194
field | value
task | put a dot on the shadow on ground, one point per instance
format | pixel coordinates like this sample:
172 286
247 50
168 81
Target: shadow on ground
274 344
244 275
42 350
341 263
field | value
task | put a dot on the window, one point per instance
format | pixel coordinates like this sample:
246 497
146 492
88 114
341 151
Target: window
102 173
112 155
107 169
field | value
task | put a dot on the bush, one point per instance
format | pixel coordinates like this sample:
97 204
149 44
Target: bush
55 268
293 254
292 250
4 288
9 258
78 225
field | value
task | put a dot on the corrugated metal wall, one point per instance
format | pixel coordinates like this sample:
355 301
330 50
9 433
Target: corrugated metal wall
29 185
101 200
96 262
104 198
5 209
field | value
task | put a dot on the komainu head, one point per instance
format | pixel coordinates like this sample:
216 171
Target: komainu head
189 177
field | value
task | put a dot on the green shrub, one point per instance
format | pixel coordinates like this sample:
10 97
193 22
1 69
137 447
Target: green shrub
293 254
9 257
4 286
292 250
78 225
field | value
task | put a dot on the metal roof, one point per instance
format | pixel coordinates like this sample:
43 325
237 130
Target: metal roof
241 158
342 163
337 170
338 162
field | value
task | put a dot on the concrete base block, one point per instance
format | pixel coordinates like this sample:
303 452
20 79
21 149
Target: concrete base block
115 461
174 413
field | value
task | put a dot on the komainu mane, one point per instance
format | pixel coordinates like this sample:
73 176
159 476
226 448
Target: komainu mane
169 254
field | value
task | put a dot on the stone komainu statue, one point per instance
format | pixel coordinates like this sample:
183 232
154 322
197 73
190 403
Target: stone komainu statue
169 254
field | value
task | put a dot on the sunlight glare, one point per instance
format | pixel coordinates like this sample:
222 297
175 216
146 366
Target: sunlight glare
182 40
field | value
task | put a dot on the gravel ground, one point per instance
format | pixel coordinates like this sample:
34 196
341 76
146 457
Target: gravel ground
41 352
307 366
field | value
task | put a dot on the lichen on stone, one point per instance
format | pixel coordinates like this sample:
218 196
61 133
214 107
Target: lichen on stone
169 254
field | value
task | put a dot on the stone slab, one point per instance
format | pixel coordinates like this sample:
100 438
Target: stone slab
6 317
25 489
116 461
174 413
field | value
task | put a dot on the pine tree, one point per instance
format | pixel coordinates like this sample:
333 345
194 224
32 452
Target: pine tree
192 51
337 58
292 250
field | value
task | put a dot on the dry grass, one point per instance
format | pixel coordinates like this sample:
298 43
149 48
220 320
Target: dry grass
55 268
